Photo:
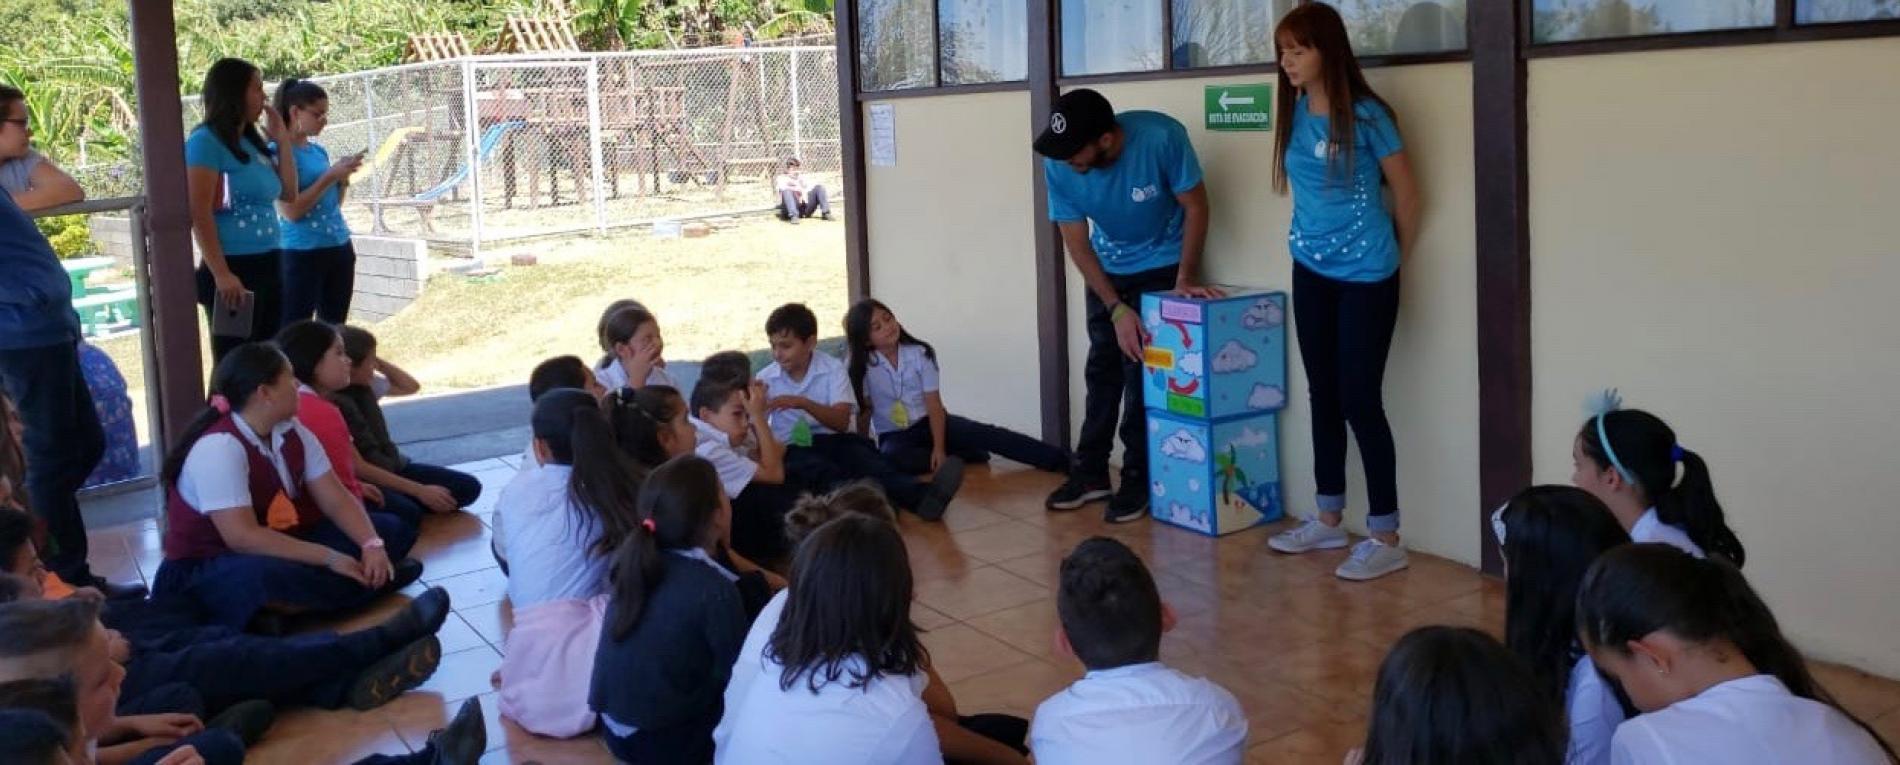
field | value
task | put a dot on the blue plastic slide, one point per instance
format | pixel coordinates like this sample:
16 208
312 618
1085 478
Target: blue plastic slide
491 139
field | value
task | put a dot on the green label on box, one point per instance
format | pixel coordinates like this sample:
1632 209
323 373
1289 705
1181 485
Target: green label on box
1239 107
1192 407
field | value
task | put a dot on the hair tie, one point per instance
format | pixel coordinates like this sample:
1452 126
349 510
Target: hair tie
647 523
220 403
1676 453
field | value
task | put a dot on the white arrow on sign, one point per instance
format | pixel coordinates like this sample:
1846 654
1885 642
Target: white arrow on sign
1227 100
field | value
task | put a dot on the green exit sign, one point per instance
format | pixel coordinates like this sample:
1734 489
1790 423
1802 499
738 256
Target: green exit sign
1239 107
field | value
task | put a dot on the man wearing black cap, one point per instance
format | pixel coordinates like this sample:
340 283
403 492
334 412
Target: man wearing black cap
1134 178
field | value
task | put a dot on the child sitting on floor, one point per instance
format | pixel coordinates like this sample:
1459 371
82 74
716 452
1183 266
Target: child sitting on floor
1455 696
631 337
437 488
812 411
674 625
727 414
564 521
554 374
1129 707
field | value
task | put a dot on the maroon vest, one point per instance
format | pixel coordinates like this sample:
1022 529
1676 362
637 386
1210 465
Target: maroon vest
190 534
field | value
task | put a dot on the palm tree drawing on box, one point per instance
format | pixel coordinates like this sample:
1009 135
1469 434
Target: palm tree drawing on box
1231 476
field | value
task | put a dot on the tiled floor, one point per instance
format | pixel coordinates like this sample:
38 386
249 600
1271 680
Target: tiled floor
1296 646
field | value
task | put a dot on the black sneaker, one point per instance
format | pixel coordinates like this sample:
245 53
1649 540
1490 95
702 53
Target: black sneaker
406 572
943 488
1076 492
248 719
1129 504
421 618
395 674
464 739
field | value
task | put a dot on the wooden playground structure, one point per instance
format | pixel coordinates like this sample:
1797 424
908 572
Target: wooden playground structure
544 118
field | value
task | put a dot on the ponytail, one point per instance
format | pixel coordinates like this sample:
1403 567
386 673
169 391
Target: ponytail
295 93
677 505
603 485
1644 449
637 417
1636 590
243 370
857 334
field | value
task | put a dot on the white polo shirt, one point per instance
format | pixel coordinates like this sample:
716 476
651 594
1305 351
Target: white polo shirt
614 376
735 470
884 722
1650 528
1141 714
896 391
549 550
826 382
1750 721
1593 711
217 472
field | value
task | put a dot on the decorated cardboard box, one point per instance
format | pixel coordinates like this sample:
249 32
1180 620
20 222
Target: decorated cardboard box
1218 358
1215 379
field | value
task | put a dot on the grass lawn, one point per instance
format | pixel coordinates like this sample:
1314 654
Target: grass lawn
711 294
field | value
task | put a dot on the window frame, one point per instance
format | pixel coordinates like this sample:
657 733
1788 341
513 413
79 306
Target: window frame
1784 30
936 88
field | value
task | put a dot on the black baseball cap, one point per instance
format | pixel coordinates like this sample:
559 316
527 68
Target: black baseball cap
1078 117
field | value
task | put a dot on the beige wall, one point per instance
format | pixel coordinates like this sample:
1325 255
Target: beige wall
1717 233
952 250
1431 388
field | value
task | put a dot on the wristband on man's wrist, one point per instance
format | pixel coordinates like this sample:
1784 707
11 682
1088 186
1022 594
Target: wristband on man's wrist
1115 311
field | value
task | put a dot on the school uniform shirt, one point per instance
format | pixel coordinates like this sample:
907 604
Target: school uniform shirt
246 215
1341 228
217 476
1650 528
896 391
826 382
1593 711
672 667
1137 222
1743 722
713 445
322 225
549 550
614 376
884 722
1141 714
323 419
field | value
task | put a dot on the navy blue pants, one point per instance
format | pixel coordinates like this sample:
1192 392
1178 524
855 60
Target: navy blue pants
233 587
466 488
1113 384
217 747
1345 331
836 458
758 521
687 743
319 281
64 442
262 275
909 449
227 667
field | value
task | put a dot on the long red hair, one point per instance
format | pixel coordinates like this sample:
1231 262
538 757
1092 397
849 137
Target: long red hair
1318 26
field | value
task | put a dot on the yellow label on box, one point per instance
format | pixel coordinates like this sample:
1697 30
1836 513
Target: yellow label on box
1157 357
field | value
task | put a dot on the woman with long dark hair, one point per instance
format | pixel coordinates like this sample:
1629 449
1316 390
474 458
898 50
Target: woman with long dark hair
1550 535
319 265
1454 696
1336 148
1628 459
1704 659
235 181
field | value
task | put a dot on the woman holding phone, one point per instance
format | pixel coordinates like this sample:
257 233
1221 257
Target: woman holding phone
235 183
319 268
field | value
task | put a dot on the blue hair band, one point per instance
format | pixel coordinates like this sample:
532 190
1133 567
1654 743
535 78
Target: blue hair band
1603 436
1676 452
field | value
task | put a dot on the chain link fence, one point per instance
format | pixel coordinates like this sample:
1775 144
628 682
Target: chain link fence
490 148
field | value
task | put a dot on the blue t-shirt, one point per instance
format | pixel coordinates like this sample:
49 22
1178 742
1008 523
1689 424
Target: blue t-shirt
1137 221
36 295
1341 227
322 225
247 220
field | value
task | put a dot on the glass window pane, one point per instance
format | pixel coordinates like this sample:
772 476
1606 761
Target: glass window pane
983 41
1103 36
1225 32
897 46
1829 11
1385 27
1563 20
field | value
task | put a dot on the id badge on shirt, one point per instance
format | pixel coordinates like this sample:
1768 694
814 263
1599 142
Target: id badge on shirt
801 432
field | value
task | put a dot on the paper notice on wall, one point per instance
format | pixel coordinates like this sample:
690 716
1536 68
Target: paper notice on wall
883 130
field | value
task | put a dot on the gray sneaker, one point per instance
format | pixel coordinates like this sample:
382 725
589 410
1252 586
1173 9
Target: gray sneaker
1372 559
1311 535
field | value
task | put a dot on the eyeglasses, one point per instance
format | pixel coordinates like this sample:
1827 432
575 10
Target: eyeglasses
21 122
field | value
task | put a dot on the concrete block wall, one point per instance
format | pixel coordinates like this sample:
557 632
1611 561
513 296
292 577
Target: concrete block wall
389 275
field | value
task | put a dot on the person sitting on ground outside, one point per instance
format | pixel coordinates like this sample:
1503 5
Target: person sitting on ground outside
33 180
798 199
1129 707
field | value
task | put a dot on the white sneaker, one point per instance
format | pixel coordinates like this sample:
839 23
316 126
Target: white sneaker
1311 535
1372 559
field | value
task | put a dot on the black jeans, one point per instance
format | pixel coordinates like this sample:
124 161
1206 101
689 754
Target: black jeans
320 281
261 275
1345 332
909 449
1113 383
63 444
